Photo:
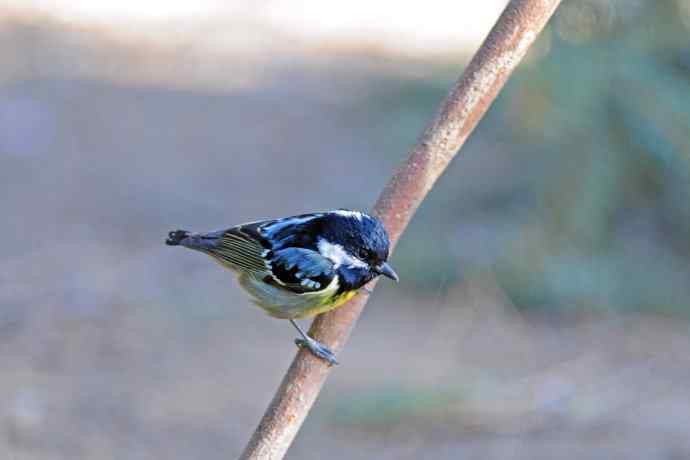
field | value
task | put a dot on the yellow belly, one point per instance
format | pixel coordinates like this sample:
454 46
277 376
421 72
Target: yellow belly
280 303
334 303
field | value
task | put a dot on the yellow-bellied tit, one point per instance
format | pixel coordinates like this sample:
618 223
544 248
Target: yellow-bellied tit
300 266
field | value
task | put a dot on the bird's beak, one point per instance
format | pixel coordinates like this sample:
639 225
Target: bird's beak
386 270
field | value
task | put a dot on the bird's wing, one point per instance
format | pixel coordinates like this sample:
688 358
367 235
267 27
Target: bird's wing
301 270
260 248
242 247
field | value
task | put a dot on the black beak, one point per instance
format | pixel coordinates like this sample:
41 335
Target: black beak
387 271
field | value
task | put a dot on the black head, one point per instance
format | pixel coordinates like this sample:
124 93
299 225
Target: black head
358 243
359 234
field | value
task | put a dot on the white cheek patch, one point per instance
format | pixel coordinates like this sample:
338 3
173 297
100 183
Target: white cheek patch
337 254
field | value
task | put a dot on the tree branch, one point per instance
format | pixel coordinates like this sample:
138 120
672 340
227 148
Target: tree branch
506 45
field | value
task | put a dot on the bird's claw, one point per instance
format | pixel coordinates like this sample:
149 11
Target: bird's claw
317 349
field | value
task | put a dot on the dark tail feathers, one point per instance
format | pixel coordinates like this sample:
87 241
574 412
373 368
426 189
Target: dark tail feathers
176 237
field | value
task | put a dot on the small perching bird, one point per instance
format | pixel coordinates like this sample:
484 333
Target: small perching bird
300 266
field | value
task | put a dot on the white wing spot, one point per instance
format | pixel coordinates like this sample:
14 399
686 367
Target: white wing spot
310 284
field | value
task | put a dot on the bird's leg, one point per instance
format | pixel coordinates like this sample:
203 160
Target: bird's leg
315 347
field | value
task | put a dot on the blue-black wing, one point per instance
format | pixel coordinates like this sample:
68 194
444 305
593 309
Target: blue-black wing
247 246
301 270
280 251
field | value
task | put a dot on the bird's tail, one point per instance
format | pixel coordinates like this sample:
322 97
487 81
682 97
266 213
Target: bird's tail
176 237
205 242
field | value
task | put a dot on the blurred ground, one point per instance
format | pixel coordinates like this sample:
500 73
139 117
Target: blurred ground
543 311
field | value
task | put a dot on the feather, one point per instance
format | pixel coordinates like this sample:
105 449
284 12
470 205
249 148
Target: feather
301 270
248 248
241 252
240 247
282 303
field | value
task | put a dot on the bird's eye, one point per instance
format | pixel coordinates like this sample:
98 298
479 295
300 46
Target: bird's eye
363 254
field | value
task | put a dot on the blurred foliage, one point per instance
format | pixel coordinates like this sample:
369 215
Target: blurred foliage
599 117
388 404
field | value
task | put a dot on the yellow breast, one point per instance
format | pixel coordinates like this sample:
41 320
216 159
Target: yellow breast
328 304
281 303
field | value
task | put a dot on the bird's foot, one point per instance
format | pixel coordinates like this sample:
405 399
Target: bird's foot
317 349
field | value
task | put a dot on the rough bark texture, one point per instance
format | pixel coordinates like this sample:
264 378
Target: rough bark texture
506 45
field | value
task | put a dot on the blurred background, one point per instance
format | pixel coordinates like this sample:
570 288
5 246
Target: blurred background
543 309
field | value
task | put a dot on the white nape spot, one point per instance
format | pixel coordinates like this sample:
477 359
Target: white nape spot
347 213
337 254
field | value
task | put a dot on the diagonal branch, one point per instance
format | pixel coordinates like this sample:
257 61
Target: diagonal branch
504 48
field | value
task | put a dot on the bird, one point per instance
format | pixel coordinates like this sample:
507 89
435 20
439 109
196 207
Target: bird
300 266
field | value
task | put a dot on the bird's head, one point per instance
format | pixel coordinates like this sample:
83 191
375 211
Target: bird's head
358 246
